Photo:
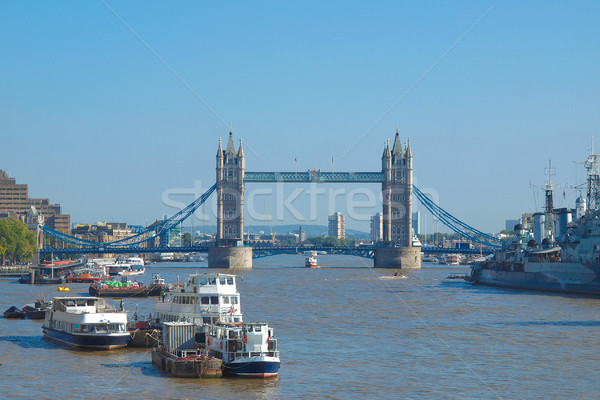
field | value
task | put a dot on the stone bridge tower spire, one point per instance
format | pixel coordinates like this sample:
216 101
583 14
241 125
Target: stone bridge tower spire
230 251
396 249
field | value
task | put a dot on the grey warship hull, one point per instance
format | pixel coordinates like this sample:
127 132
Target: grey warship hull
552 277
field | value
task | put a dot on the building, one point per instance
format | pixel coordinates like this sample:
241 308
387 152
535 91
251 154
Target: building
337 225
416 222
102 232
377 227
15 203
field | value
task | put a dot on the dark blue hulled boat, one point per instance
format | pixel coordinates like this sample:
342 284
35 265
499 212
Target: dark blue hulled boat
86 322
247 349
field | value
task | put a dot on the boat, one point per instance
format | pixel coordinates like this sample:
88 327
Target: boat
125 288
36 310
14 313
246 349
91 272
311 261
452 259
63 289
430 259
569 264
203 299
131 266
86 322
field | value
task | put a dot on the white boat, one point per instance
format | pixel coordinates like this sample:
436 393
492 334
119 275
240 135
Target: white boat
248 349
430 259
311 261
167 256
204 299
86 322
452 259
131 266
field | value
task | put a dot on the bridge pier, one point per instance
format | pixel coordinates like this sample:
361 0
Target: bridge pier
398 257
230 257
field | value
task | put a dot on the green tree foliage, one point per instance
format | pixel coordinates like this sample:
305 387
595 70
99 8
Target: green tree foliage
329 241
17 243
186 240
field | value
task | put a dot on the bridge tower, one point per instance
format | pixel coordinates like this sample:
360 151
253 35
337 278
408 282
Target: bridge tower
229 250
395 250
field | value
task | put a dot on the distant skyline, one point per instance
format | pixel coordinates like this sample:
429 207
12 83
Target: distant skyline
114 110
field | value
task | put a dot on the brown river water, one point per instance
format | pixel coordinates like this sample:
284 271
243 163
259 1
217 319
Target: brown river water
345 331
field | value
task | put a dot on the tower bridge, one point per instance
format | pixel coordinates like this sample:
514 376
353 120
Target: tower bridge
395 177
230 250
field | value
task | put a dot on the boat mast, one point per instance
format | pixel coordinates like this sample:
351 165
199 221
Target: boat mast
593 174
549 211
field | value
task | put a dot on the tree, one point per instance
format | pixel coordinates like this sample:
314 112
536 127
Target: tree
18 242
187 240
329 241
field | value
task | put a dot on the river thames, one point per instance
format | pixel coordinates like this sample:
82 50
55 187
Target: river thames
345 331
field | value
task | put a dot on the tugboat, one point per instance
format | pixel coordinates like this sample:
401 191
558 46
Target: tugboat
86 322
569 265
247 349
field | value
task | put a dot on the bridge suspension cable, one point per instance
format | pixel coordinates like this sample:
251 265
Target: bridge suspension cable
148 234
454 223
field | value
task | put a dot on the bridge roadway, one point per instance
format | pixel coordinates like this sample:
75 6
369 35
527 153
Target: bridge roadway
257 252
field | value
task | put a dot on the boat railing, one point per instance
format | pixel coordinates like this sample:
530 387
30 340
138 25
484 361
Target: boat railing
256 354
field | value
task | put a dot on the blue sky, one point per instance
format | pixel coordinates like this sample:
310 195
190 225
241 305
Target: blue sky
106 107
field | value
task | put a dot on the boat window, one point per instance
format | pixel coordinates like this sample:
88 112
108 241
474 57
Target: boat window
230 281
206 320
222 281
225 300
234 300
214 299
202 281
236 319
204 300
257 328
250 328
212 281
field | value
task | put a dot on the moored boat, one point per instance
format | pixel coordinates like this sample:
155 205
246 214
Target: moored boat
86 322
247 349
124 289
567 260
203 299
14 313
35 311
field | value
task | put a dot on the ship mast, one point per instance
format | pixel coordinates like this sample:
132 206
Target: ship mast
593 174
549 211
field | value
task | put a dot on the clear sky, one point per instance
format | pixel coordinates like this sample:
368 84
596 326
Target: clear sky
111 108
